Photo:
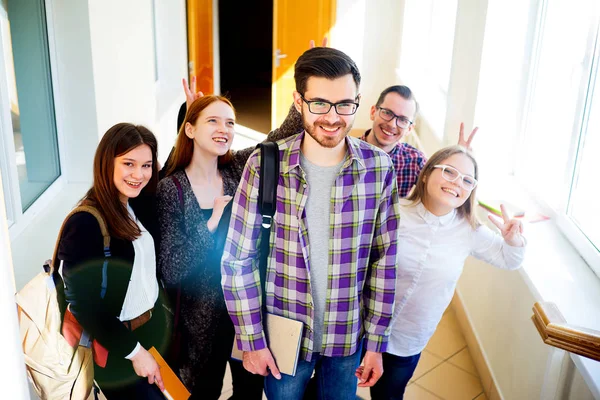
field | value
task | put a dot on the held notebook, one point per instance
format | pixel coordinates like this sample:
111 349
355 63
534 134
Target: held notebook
174 389
284 336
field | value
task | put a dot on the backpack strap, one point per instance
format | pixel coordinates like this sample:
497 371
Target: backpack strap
267 205
179 190
53 267
269 176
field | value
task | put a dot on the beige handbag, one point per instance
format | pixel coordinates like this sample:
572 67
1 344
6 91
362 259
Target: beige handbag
56 369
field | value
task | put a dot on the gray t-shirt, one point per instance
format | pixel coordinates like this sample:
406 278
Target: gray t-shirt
318 208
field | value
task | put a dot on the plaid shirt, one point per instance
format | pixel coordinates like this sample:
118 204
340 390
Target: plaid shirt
363 228
408 163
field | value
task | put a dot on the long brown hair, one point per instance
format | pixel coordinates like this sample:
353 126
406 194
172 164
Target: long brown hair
184 147
467 210
104 195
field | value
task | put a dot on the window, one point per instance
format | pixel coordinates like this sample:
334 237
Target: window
29 136
583 199
426 58
561 139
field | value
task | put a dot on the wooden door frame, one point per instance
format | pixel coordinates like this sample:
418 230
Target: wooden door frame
333 13
200 43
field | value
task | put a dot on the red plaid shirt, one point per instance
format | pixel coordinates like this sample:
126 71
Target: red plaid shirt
408 163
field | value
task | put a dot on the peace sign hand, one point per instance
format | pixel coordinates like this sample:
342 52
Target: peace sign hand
511 229
461 136
190 92
311 44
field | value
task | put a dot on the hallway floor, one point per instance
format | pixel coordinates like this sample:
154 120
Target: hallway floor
445 371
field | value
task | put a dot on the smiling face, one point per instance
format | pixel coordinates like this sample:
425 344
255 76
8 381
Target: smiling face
385 134
132 172
214 129
443 196
328 130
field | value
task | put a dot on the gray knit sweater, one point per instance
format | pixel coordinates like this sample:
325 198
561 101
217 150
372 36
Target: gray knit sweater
190 255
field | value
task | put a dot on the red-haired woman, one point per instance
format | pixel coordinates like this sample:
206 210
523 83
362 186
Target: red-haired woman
201 176
115 297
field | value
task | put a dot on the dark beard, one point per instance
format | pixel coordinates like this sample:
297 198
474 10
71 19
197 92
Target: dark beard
327 142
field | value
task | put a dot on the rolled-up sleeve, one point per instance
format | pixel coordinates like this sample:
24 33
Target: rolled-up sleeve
239 265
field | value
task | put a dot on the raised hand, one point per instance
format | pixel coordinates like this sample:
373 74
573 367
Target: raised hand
190 92
311 44
461 136
511 229
218 207
261 362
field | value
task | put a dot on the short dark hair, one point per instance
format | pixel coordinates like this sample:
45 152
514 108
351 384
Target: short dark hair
323 62
402 91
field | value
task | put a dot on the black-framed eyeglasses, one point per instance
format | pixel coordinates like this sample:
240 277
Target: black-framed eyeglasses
323 106
401 121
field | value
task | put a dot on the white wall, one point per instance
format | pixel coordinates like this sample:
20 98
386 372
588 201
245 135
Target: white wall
123 53
123 61
371 34
12 368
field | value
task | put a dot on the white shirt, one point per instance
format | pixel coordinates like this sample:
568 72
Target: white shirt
142 291
431 254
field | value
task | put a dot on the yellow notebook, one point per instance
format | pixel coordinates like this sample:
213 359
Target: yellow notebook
174 389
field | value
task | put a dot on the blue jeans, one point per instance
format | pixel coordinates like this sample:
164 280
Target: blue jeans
334 377
397 372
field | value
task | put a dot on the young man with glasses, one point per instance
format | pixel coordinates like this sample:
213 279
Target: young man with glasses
332 263
393 118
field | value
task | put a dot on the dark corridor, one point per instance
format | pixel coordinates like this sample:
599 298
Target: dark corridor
245 46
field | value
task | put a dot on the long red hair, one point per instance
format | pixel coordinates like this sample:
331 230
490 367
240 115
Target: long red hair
184 146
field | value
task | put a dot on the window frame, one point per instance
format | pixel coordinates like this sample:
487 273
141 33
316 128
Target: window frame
18 220
586 249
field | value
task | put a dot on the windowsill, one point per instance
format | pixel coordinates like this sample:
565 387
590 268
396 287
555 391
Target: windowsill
39 206
555 271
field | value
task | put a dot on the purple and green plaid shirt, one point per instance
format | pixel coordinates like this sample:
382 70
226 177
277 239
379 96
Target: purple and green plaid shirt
363 226
408 163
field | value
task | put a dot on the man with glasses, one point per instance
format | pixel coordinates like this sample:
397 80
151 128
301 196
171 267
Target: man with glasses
332 263
393 118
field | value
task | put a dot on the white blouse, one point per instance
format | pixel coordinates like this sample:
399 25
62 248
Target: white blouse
431 255
142 291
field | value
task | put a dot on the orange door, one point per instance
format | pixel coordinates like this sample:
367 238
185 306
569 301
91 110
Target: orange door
295 23
200 43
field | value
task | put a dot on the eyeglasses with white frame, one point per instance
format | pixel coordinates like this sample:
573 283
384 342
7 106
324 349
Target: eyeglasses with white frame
451 174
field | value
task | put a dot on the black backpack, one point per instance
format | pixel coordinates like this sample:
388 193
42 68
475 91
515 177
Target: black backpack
267 204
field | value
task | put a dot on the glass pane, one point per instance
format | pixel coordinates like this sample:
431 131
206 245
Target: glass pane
584 201
557 103
30 95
